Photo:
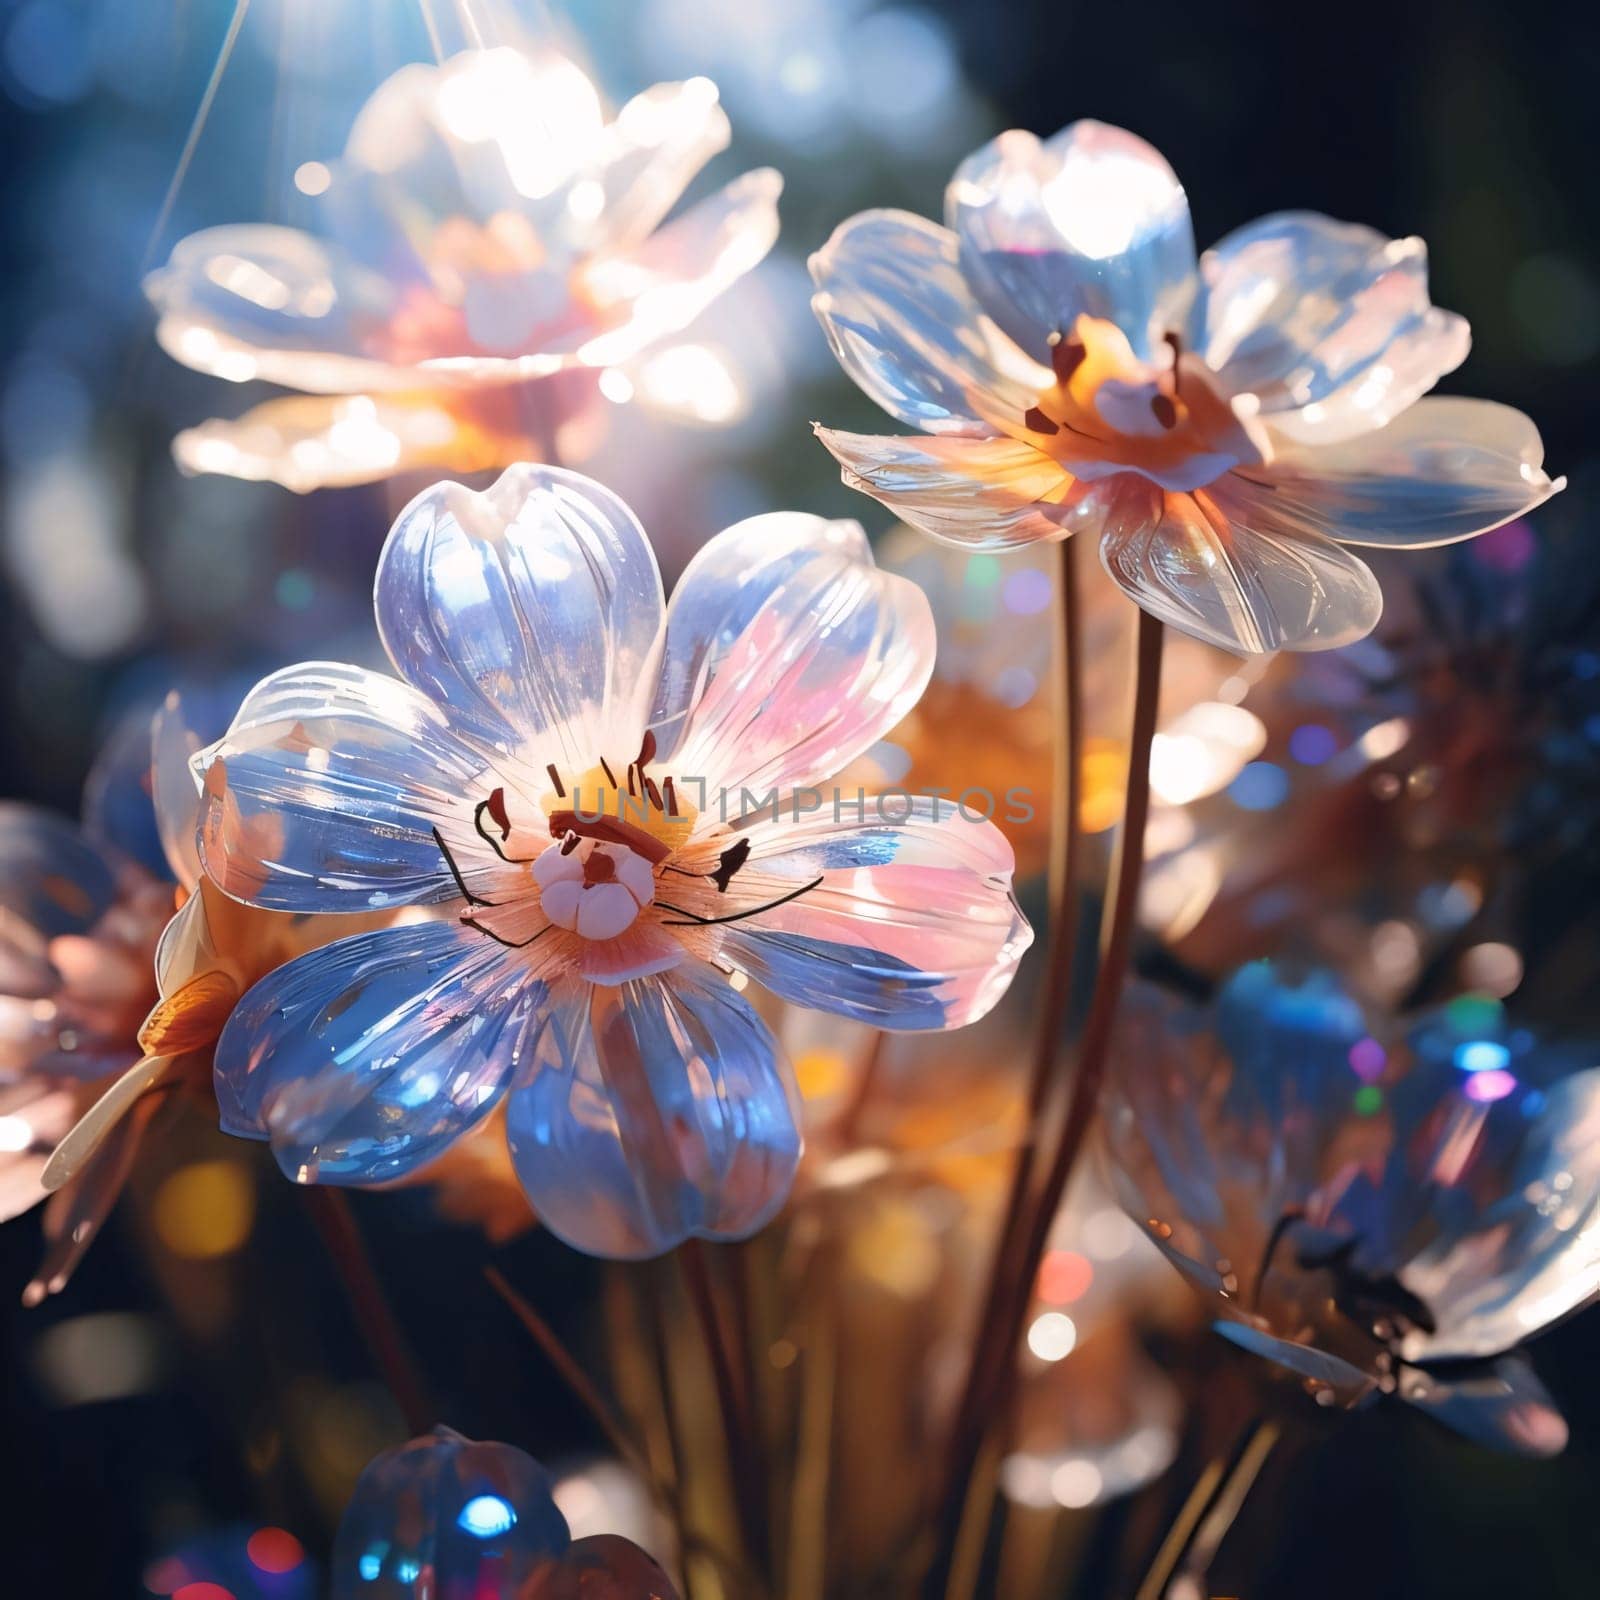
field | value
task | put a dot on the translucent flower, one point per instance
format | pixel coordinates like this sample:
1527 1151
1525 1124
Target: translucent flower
616 808
1377 1209
78 930
109 1004
457 1518
490 238
1223 430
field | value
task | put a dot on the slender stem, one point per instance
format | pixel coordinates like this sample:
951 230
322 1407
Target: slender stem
848 1124
747 1481
374 1315
1066 842
1210 1511
1119 919
572 1374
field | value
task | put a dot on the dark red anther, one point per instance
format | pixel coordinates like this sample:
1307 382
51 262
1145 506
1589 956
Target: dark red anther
1066 356
555 778
1165 411
496 807
729 863
647 749
1034 419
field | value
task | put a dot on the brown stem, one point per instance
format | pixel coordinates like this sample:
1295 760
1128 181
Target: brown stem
1119 917
1066 842
748 1484
572 1374
330 1211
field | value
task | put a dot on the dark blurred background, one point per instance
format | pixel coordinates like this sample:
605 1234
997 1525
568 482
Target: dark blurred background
1471 122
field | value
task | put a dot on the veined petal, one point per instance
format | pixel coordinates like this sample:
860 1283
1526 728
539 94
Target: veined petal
912 926
1235 581
667 281
905 326
653 1112
1327 323
1091 221
324 793
987 494
255 301
730 579
361 1061
834 655
1444 469
533 611
650 153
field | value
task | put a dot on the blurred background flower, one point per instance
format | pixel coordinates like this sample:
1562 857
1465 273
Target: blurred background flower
200 1382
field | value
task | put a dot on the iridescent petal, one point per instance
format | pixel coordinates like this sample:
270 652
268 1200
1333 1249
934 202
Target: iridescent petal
1504 1406
912 926
1232 578
476 1518
905 326
1495 1276
532 610
361 1061
1091 221
653 1112
650 153
1327 323
1444 469
834 655
666 282
254 301
324 794
174 793
730 579
987 494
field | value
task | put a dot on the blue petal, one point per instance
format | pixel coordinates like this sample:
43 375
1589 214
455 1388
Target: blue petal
324 794
654 1112
1090 222
533 611
1503 1406
361 1061
477 1518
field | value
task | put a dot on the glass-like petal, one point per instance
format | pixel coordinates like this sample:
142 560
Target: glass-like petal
533 611
1327 323
1445 469
731 577
1090 222
460 1517
1497 1275
361 1061
650 153
987 494
912 925
255 301
1320 1366
653 1112
500 132
1503 1406
669 279
834 655
905 326
324 794
1235 579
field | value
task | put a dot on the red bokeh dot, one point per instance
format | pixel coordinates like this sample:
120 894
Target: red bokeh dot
275 1550
1063 1276
203 1591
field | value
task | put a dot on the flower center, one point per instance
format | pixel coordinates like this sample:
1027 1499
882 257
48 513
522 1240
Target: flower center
1108 411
